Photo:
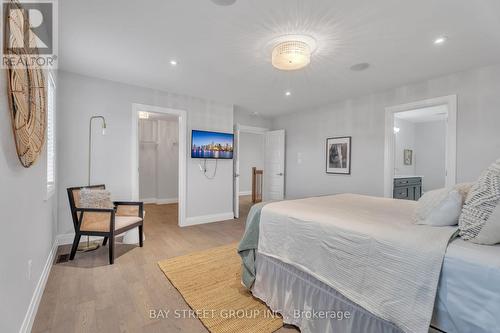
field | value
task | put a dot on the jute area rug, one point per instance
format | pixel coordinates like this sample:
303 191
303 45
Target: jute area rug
210 283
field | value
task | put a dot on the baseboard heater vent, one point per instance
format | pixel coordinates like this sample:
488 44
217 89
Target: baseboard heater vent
62 258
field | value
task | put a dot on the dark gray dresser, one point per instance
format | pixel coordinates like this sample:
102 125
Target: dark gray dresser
407 188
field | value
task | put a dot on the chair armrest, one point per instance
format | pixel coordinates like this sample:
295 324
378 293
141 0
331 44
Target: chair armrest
128 203
95 210
140 205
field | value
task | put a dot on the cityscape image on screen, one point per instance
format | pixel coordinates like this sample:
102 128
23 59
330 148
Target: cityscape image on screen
211 145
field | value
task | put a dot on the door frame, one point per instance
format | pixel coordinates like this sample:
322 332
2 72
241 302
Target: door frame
238 128
182 116
451 138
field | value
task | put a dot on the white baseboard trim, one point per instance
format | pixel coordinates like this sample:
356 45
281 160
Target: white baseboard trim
160 201
148 200
29 318
166 201
245 192
208 219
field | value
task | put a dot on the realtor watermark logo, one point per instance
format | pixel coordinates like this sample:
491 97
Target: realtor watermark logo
30 33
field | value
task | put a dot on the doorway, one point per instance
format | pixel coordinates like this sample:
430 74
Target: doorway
249 145
420 147
269 146
159 156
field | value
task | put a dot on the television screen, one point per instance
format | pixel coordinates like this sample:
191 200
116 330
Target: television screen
211 145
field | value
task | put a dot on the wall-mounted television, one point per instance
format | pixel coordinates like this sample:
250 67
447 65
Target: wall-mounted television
206 144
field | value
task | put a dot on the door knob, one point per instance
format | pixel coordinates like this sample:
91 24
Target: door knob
279 174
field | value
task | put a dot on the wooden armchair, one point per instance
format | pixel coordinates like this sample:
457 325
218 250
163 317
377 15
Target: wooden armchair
106 223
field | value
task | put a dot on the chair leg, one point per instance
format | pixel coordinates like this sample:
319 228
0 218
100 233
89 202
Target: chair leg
105 241
111 249
140 235
76 241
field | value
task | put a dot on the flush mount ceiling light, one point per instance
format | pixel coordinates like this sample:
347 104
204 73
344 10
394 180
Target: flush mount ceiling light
292 52
173 62
288 93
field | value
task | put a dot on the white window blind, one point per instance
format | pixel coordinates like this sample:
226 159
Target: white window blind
51 157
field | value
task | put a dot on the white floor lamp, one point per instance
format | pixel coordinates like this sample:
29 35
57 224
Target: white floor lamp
94 245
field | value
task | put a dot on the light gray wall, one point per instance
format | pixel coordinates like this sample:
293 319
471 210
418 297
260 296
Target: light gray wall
247 118
430 153
405 139
478 139
81 96
27 223
159 163
251 155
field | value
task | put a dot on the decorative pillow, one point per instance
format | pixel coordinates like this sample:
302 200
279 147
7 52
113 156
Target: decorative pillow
439 208
463 189
480 214
92 198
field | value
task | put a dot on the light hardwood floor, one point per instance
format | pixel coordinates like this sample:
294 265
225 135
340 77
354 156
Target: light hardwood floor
88 295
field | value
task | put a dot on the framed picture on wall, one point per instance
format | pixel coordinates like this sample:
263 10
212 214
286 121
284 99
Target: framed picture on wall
408 157
338 155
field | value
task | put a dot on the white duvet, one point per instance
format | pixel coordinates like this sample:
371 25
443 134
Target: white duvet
367 248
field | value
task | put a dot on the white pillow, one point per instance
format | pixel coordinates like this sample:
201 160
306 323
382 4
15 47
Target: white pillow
439 208
463 189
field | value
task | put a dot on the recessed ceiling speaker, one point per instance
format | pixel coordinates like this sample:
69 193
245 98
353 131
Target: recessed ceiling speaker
360 67
224 2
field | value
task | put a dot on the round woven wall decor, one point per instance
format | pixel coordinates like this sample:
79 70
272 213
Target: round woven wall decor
27 97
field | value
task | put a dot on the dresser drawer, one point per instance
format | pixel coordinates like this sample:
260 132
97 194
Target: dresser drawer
402 193
407 181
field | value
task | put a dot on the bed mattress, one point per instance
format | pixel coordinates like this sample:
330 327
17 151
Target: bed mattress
468 296
367 248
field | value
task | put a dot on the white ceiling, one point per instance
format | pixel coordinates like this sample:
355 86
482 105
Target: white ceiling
433 113
223 52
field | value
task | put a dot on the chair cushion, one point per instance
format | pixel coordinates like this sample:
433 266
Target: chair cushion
124 221
99 222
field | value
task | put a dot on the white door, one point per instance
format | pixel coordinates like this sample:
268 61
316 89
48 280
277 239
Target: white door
236 162
274 170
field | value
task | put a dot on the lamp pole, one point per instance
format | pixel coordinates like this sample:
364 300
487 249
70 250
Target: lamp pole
90 140
94 246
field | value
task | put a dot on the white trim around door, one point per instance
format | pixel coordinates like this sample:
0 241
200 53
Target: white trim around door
182 116
451 138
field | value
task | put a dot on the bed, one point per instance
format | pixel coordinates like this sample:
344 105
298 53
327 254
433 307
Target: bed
394 277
